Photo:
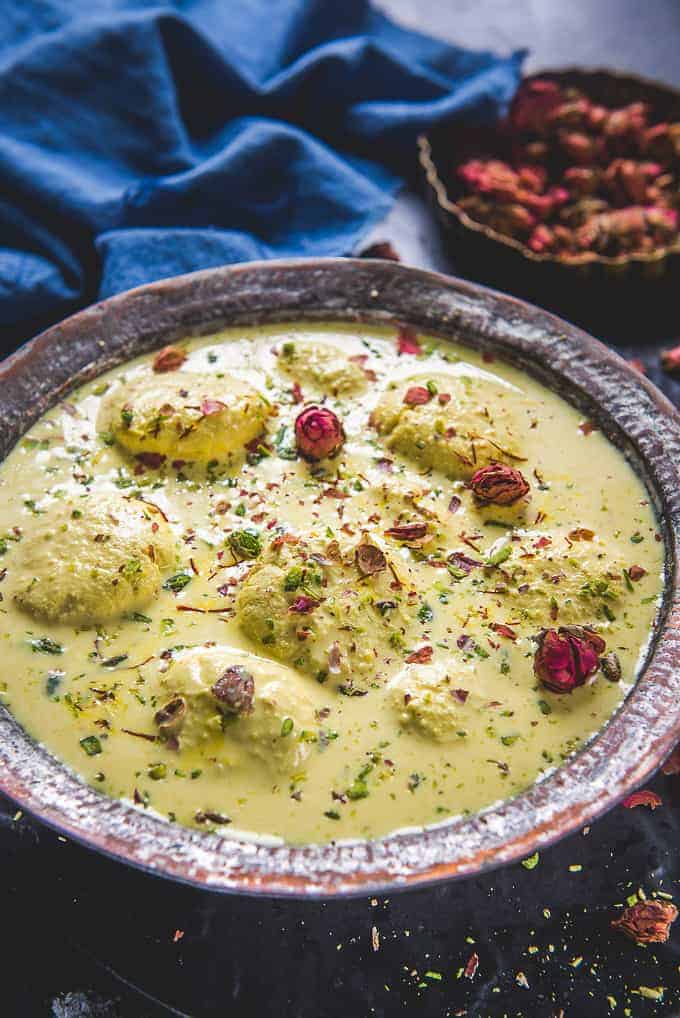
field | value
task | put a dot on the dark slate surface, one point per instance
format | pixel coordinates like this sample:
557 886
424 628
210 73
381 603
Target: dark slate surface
87 938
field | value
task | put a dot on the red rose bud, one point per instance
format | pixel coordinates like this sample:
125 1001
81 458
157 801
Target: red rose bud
670 360
499 484
533 178
582 148
647 922
542 239
662 142
235 690
626 124
512 219
491 177
582 180
318 433
596 117
632 228
566 657
573 113
533 105
629 181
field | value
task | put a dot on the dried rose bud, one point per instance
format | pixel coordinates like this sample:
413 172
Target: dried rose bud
610 666
170 717
647 922
499 484
542 205
566 657
628 181
491 177
662 222
370 560
511 219
533 178
580 147
170 358
382 249
627 124
581 211
572 113
670 360
235 690
662 142
582 180
533 104
536 151
542 239
630 229
597 115
318 433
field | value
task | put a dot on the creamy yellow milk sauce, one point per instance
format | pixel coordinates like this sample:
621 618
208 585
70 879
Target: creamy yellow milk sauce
162 543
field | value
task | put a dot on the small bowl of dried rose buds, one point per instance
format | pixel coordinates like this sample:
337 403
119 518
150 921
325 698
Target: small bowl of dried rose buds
572 199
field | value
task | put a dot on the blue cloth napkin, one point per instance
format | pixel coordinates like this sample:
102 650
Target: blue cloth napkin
139 141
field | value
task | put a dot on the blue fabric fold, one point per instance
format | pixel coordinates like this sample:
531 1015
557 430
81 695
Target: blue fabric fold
140 140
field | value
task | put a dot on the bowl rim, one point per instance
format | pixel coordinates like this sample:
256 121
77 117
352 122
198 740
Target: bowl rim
628 408
440 192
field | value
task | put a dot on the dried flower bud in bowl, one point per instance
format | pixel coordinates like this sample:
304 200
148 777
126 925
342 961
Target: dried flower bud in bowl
499 484
318 433
579 186
565 658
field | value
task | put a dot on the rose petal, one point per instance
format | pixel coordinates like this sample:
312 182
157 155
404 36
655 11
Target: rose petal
407 342
422 656
417 395
645 797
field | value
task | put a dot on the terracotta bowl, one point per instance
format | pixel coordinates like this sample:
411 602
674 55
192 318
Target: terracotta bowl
628 292
634 415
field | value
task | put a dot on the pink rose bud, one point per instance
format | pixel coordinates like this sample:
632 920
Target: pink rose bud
318 433
566 657
580 147
533 178
499 484
534 103
582 180
490 176
542 239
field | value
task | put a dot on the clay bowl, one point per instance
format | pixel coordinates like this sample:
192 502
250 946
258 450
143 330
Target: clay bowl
628 293
635 416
